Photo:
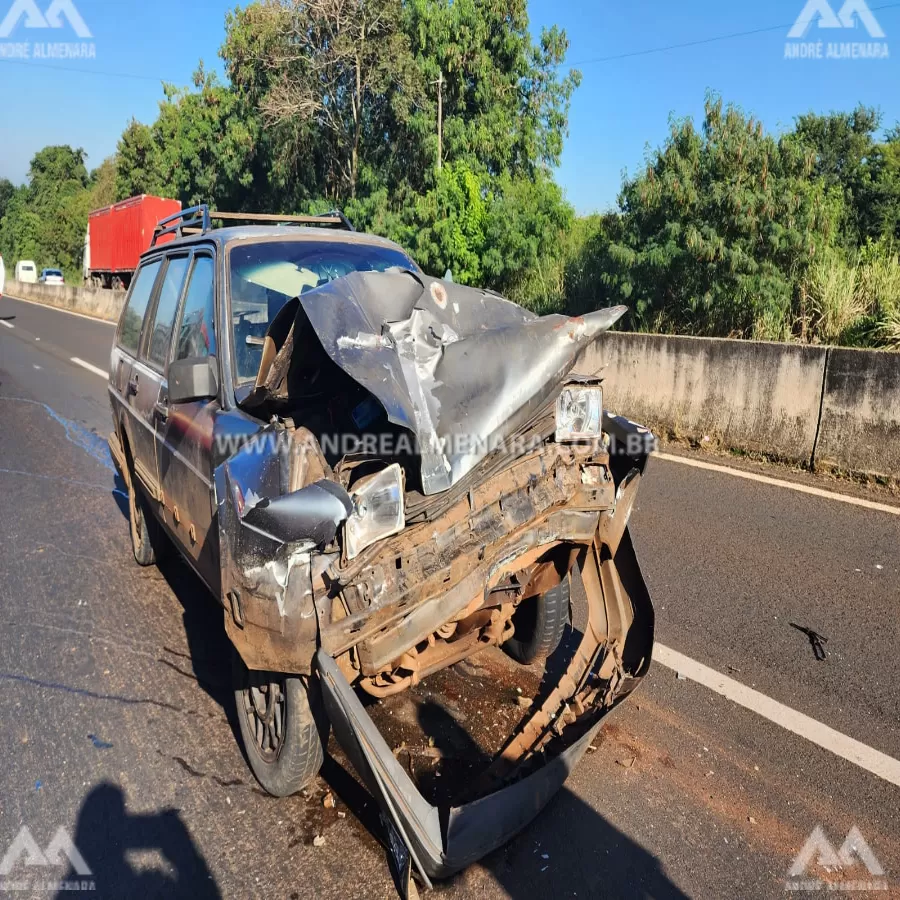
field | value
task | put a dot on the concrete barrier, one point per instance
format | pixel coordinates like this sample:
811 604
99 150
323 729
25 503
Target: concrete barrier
95 302
860 423
745 395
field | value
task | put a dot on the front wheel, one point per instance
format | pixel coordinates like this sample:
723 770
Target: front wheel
147 540
540 623
281 735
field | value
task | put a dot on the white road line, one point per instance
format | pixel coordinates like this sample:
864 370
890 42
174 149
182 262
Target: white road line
68 312
853 751
7 324
777 482
91 368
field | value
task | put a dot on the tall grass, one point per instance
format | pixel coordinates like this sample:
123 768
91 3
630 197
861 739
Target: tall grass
852 300
889 329
835 301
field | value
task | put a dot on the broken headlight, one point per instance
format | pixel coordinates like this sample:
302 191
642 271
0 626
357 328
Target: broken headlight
579 413
377 510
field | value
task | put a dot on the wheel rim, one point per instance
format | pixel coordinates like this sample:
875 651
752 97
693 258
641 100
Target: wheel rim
265 712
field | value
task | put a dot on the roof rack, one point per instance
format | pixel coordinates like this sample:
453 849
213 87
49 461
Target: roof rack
199 219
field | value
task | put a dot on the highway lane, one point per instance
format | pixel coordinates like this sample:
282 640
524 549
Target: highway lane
686 792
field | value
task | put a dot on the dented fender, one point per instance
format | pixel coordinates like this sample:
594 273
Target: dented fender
267 547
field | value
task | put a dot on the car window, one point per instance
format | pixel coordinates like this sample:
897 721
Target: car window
197 334
265 275
141 289
166 308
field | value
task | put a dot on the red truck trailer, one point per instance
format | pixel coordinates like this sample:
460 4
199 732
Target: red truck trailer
117 235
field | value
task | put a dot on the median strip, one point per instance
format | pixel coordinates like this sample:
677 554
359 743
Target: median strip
874 761
777 482
91 368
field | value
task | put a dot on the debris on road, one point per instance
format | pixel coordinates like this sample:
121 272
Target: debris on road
318 841
817 641
328 801
98 743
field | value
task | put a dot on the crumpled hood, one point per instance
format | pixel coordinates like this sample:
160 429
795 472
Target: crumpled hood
461 368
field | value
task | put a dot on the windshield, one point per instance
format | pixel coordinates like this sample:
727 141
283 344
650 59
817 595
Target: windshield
265 275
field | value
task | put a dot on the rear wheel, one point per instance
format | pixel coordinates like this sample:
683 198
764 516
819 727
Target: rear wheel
147 539
282 738
539 622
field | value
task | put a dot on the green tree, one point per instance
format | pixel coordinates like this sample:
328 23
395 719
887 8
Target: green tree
328 74
102 183
845 157
505 106
203 147
46 219
719 228
140 167
7 189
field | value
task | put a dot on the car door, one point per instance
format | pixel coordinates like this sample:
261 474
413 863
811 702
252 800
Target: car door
185 437
147 385
128 382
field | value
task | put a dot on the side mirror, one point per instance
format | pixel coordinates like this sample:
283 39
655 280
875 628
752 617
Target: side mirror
194 378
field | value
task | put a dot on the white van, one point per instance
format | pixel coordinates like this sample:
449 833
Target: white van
26 271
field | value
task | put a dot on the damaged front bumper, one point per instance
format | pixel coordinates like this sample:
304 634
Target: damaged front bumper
612 658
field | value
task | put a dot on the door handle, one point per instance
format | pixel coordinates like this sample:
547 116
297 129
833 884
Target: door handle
162 412
132 387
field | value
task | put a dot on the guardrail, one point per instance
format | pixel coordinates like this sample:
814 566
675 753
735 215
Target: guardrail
820 406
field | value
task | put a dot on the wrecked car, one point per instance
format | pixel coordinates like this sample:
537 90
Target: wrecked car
380 474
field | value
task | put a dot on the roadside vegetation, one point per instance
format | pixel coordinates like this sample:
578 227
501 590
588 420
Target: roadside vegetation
726 229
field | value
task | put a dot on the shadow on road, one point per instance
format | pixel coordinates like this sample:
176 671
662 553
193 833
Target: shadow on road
106 834
586 856
209 653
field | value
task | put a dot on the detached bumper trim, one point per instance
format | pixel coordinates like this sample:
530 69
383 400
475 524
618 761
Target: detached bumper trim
441 841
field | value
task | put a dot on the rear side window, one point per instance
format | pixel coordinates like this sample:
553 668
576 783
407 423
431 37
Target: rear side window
197 333
166 308
141 289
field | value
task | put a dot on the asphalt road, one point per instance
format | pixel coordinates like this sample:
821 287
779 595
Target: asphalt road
118 725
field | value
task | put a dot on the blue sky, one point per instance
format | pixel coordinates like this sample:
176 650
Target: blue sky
622 106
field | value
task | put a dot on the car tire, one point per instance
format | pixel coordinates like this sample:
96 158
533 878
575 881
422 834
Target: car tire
147 539
282 727
540 623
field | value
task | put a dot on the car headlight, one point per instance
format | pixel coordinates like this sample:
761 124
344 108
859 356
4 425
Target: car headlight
378 510
579 413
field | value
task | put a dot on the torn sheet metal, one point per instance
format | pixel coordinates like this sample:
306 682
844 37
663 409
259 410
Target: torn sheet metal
461 368
313 514
266 550
614 655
